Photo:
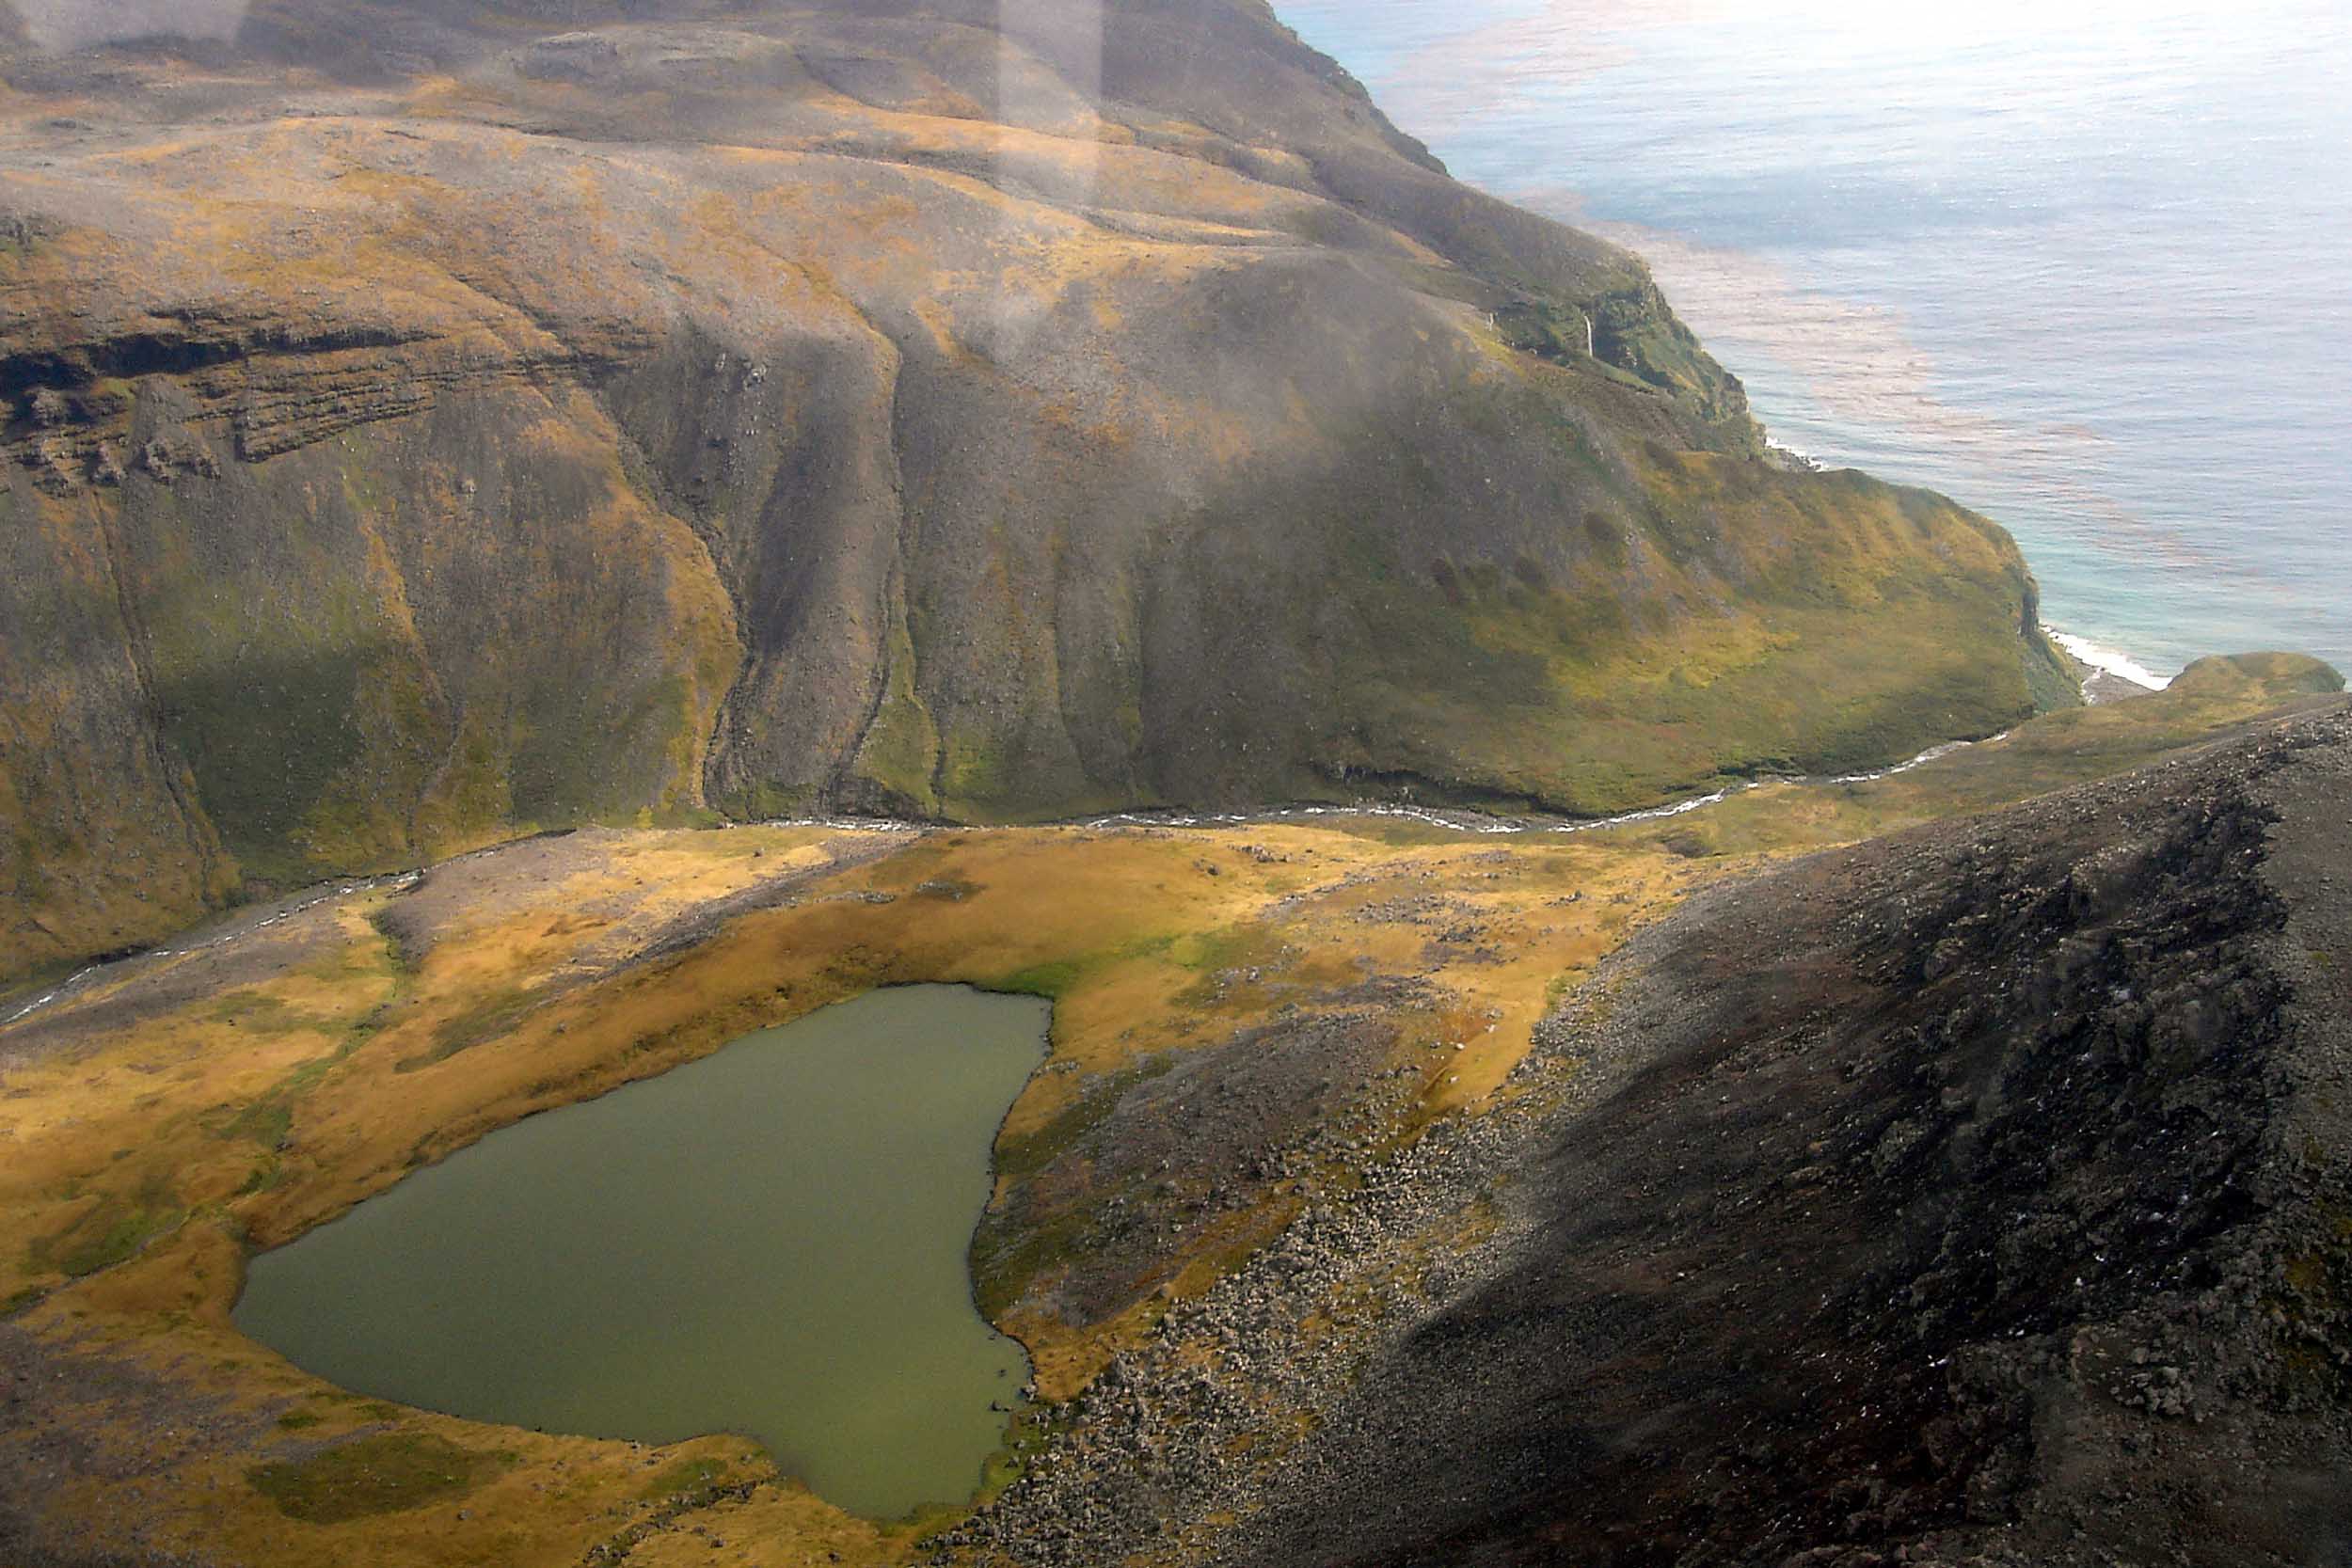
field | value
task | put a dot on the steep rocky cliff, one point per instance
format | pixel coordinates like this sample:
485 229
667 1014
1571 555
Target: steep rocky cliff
1972 1197
430 421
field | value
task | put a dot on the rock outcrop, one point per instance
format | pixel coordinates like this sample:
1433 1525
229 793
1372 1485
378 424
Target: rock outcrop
428 421
1973 1196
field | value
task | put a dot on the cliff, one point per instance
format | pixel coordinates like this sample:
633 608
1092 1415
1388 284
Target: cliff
1966 1194
1969 1196
430 422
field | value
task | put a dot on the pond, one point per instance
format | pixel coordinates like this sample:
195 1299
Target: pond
772 1240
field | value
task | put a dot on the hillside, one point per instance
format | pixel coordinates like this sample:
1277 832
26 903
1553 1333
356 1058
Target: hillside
429 422
1973 1196
1392 1193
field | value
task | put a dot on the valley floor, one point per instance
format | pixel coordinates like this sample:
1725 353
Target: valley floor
1251 1021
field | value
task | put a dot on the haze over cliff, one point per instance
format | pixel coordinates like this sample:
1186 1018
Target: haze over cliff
428 422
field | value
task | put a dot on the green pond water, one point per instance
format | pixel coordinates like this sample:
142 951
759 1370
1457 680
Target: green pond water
771 1241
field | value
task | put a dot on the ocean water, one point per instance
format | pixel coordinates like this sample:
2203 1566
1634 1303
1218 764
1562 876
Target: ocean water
2084 265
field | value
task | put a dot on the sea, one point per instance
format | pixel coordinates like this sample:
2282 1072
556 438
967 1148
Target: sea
2084 265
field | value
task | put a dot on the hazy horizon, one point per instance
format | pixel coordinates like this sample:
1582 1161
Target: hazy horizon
2077 264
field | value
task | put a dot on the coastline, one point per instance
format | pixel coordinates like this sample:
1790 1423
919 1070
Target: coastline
2108 674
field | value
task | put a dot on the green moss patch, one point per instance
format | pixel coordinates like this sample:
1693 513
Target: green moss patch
383 1474
688 1478
267 1122
487 1018
900 748
1048 980
117 1228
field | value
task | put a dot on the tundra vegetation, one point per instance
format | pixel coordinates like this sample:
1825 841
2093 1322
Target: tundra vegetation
574 446
1245 1016
426 423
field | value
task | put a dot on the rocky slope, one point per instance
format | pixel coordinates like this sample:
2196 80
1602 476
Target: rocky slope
1973 1196
427 422
1393 1192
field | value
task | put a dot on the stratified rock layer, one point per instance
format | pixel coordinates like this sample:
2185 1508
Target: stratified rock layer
427 423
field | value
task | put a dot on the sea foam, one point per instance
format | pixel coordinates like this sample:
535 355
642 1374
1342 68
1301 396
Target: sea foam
2101 658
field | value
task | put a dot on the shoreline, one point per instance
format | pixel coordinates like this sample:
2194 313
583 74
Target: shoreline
2109 675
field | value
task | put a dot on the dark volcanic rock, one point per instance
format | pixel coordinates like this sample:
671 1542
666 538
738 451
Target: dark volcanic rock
1976 1196
1977 1179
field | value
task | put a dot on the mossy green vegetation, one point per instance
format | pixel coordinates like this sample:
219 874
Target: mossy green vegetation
1048 980
113 1228
1633 329
483 1020
383 1473
317 711
267 1122
700 1477
1788 622
900 751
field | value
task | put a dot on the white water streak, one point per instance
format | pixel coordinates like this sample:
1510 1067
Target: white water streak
1451 821
2101 658
80 978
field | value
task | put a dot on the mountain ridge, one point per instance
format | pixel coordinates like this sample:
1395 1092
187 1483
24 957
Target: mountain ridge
430 424
1967 1195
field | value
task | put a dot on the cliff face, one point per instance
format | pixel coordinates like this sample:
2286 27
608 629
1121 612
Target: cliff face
1988 1205
1973 1196
427 422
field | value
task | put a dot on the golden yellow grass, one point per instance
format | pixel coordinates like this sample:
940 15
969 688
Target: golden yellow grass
248 1116
1131 928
